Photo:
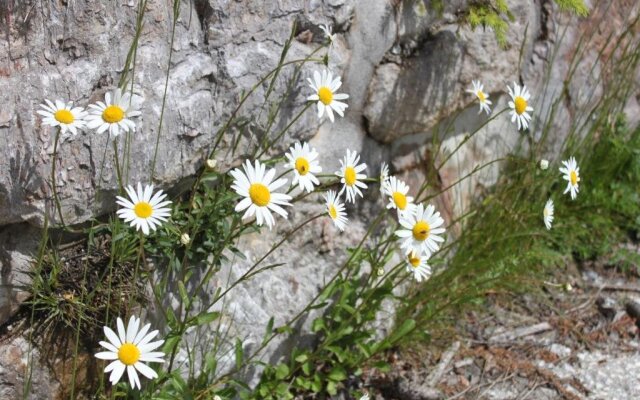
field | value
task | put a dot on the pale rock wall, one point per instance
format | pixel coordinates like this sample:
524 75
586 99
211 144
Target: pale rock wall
405 73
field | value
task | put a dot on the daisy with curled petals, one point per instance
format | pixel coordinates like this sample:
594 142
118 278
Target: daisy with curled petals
144 209
571 173
483 98
335 209
64 115
384 177
397 191
325 87
129 350
115 113
350 175
417 265
421 230
519 105
547 214
303 160
327 31
257 186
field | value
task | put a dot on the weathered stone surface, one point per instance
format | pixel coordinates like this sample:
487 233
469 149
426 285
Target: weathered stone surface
405 72
17 359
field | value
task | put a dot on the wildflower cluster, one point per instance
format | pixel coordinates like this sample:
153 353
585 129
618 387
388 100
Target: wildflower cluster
520 110
262 192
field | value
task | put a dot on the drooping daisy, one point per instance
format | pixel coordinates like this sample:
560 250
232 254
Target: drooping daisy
519 105
397 191
483 98
325 87
64 115
129 350
421 230
115 113
142 210
335 209
327 31
417 265
571 173
257 187
303 161
350 175
547 214
384 177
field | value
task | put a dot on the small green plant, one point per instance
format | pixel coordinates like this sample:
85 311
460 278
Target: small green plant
496 14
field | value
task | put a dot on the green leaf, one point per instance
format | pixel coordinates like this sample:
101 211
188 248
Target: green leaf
337 374
332 388
282 371
183 293
207 318
239 353
268 330
302 358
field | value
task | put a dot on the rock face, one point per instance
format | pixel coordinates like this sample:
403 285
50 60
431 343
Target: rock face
404 67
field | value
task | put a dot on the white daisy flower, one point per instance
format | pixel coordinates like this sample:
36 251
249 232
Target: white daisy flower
325 87
384 177
483 98
397 191
350 175
421 230
64 115
365 397
303 161
142 210
335 209
327 31
257 187
519 105
129 350
547 213
115 113
571 173
417 265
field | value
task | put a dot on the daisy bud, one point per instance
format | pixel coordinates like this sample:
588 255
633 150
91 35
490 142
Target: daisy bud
380 271
544 164
185 239
568 287
211 164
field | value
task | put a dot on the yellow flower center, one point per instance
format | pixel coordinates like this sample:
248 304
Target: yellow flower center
143 209
302 165
574 178
64 117
333 213
113 114
400 200
259 194
414 260
421 231
481 96
546 212
326 95
128 353
350 176
520 105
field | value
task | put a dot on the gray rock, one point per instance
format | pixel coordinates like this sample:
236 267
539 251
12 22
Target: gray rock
405 71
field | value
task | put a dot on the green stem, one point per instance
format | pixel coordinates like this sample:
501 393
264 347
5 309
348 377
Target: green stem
176 14
54 189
